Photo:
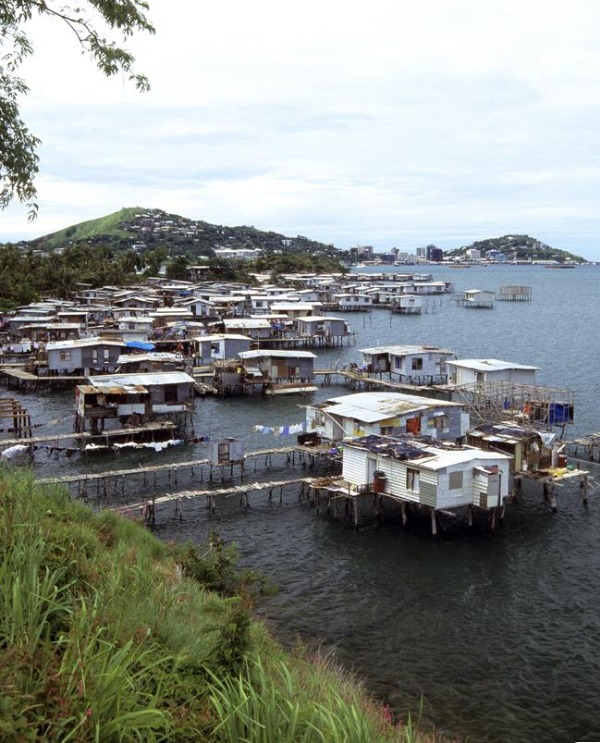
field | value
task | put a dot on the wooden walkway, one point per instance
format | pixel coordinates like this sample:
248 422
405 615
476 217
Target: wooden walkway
359 380
149 470
147 509
15 377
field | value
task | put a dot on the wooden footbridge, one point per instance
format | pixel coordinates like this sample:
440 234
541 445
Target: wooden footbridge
113 483
146 510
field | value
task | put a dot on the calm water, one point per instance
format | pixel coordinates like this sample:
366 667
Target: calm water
500 635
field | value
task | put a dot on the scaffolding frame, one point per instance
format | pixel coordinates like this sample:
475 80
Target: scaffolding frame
542 408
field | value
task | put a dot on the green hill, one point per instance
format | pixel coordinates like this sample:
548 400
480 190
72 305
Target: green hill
518 248
110 227
155 228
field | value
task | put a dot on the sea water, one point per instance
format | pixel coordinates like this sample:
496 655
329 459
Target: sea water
491 638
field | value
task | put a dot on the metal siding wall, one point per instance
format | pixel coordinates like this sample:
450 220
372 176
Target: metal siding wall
354 467
480 490
454 498
428 494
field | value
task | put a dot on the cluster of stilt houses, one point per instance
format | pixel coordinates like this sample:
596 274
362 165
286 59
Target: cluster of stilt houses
419 429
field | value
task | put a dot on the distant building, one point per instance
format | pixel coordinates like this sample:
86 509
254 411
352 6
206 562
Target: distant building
238 254
362 252
435 254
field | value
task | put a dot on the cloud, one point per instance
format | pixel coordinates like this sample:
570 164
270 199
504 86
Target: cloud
398 125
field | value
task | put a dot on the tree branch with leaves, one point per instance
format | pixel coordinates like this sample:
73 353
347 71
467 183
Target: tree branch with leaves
19 162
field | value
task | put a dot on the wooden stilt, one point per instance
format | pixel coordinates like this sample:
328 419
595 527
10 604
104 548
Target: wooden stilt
553 499
433 522
584 484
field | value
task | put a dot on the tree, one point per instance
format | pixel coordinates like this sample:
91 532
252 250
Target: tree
18 146
177 268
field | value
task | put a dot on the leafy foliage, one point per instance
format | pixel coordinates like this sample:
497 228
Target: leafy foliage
26 276
18 157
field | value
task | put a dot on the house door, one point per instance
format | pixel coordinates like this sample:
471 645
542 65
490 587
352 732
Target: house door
493 490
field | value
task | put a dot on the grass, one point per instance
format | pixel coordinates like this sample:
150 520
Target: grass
108 634
107 225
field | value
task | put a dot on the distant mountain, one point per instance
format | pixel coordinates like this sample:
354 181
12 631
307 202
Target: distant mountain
519 248
140 228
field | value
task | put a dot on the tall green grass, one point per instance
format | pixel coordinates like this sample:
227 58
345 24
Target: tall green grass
108 634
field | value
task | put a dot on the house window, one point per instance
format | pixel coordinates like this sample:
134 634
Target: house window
64 355
455 480
412 480
170 393
398 362
387 430
106 354
94 356
417 363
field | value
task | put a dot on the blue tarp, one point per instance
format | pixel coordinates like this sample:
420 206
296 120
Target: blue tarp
142 345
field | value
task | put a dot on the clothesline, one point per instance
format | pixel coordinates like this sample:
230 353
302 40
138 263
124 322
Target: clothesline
290 430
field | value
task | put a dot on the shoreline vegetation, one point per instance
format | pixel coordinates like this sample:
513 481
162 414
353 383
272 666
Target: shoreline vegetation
109 634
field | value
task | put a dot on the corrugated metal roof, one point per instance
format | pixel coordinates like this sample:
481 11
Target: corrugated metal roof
126 358
276 354
244 322
429 455
148 379
406 350
490 365
113 389
83 343
372 414
383 405
221 337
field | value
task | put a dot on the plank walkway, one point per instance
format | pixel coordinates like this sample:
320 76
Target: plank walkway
166 467
358 378
15 376
146 507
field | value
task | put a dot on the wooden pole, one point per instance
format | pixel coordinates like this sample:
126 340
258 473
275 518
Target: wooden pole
583 484
433 522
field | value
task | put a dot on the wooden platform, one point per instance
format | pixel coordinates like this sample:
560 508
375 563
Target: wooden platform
17 377
88 437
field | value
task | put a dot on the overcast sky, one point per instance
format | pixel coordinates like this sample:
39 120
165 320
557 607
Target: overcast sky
392 124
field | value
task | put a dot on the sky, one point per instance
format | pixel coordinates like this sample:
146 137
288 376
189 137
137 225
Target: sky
392 124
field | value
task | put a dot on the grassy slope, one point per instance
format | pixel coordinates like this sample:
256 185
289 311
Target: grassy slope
105 636
108 225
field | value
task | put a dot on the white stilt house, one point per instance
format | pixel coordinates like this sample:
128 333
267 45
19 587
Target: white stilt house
436 476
